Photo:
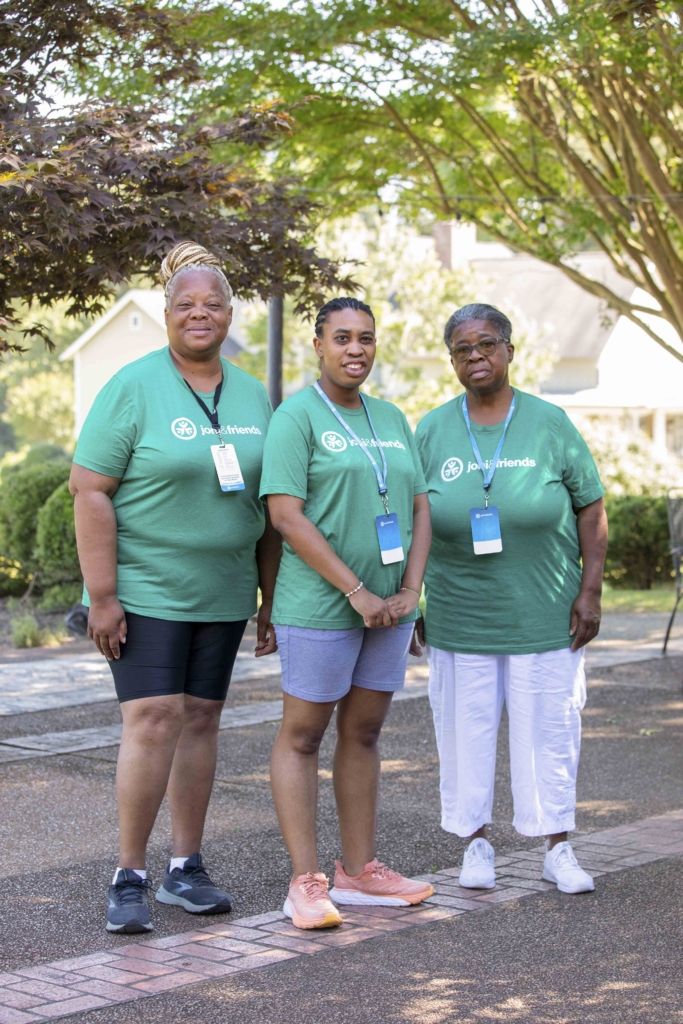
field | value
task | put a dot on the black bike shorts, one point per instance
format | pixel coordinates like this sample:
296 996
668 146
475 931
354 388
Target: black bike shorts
161 657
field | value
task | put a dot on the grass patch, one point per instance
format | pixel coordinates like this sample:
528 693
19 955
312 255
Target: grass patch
659 599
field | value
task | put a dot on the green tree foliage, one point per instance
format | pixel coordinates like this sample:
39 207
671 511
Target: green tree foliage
95 193
638 552
21 497
554 127
40 408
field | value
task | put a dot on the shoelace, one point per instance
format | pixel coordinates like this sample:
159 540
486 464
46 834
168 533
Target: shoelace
131 892
199 877
380 870
314 888
566 858
480 854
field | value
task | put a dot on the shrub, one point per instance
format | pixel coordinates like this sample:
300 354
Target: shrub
55 549
27 633
638 551
60 597
12 579
21 497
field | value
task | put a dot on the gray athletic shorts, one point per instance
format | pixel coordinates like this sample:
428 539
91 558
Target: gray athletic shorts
323 664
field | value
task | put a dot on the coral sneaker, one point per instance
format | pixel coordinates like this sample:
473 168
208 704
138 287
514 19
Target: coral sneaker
378 886
308 903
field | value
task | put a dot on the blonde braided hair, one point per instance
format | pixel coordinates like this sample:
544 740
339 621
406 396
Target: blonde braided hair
186 256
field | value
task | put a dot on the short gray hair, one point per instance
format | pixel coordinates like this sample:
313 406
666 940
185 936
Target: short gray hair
478 311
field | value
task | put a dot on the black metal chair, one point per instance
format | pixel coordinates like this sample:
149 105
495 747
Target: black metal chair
674 508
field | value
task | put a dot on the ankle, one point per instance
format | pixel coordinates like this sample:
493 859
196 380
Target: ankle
479 834
304 871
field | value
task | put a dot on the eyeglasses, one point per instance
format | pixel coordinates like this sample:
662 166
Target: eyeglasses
485 347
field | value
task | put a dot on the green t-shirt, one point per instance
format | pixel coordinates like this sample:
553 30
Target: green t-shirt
518 601
308 454
185 548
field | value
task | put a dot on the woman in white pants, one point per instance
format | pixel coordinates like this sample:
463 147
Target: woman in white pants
513 589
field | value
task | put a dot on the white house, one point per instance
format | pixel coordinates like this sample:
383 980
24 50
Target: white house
133 327
608 368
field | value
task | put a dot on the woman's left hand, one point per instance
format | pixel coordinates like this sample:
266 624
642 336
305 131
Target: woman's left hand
403 603
585 619
266 640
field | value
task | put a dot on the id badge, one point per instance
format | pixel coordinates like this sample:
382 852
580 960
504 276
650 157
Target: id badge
227 467
486 530
389 535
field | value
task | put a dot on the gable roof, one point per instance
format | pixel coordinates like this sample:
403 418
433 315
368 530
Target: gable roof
581 322
149 301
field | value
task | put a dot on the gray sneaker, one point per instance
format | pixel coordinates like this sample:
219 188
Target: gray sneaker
191 888
128 911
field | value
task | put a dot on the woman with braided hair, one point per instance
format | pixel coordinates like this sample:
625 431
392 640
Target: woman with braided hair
174 543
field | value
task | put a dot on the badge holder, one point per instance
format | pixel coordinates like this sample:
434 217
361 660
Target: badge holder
486 529
227 467
389 536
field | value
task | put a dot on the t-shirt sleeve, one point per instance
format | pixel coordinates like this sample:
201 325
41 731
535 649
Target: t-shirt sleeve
420 486
579 472
421 446
108 436
286 457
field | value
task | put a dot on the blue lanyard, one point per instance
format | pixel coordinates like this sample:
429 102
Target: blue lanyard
381 475
488 475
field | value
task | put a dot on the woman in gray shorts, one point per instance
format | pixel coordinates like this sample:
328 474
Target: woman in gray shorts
346 490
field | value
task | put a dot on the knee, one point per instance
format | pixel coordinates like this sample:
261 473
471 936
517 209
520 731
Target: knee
363 734
202 716
154 720
305 742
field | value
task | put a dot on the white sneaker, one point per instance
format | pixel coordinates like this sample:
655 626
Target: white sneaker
561 866
477 865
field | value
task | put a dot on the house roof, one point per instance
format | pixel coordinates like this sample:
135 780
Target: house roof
579 323
151 302
634 371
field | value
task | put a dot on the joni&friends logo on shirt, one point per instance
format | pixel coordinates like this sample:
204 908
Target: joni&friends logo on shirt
334 442
451 469
183 428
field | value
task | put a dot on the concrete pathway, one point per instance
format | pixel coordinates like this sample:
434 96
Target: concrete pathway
149 967
60 682
521 952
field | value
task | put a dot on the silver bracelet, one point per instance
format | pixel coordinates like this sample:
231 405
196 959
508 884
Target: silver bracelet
354 591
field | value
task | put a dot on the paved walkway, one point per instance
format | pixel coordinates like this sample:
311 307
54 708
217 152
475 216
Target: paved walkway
603 958
49 684
69 741
153 966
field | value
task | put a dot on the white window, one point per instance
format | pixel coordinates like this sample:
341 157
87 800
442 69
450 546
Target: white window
674 434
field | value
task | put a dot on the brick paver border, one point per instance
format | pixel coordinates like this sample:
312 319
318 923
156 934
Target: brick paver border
136 970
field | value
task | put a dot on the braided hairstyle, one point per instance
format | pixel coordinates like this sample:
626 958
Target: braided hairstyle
334 305
188 256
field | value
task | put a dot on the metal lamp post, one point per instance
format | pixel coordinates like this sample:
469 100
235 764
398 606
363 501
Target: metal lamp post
274 350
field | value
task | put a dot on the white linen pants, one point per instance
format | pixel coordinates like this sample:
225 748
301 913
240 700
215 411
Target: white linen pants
544 694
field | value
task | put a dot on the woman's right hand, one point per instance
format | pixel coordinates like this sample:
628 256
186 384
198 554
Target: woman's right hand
107 626
375 611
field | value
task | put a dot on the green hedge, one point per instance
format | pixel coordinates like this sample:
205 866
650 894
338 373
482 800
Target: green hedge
22 496
638 551
55 550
